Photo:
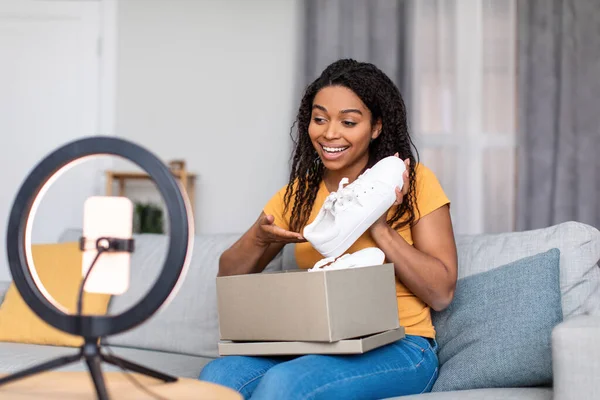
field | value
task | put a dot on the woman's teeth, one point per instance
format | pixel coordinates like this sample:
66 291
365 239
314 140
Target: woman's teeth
334 149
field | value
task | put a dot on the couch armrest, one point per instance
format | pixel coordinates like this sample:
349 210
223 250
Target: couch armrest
576 358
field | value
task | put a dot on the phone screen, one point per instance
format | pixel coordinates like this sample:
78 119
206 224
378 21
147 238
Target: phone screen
107 216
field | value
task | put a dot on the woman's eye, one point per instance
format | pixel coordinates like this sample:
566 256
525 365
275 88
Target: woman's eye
349 124
319 120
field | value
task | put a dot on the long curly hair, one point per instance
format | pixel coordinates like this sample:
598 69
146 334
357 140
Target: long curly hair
383 99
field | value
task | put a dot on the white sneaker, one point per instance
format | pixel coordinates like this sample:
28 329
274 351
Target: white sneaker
349 212
363 258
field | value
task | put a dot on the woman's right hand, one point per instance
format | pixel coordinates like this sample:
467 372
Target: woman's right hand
267 232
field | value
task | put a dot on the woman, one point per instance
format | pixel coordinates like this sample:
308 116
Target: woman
351 117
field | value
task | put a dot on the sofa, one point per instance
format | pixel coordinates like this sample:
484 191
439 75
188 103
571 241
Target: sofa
182 336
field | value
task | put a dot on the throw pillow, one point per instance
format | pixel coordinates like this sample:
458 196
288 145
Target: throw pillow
497 330
59 269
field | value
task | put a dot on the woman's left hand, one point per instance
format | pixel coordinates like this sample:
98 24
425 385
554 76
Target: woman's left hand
399 193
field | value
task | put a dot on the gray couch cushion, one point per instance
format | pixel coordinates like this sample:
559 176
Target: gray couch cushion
579 246
486 394
497 330
16 356
70 235
188 324
283 261
3 288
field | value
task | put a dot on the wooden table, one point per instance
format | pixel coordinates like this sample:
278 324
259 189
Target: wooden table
78 385
187 179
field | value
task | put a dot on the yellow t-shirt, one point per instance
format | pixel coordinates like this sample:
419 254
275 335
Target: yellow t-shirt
413 313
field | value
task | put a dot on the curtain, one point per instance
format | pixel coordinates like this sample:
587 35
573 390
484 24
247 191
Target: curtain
367 30
559 112
463 106
454 62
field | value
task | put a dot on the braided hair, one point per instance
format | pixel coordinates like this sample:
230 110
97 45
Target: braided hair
383 99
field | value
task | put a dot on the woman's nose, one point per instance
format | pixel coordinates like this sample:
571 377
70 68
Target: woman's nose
331 133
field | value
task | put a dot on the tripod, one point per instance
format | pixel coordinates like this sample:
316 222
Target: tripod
90 351
101 211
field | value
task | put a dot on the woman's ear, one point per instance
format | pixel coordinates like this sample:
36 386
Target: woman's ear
376 131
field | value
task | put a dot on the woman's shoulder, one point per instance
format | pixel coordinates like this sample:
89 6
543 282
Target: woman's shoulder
429 192
275 206
283 189
293 187
423 170
278 198
425 176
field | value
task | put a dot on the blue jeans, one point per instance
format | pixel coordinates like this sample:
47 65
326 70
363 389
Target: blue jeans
408 366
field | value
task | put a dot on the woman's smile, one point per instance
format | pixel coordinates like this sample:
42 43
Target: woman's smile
332 152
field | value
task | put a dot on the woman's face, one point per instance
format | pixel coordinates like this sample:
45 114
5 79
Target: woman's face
340 128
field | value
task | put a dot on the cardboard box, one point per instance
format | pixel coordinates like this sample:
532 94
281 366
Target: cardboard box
316 306
349 346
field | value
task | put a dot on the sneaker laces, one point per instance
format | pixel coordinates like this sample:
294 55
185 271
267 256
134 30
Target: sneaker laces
344 196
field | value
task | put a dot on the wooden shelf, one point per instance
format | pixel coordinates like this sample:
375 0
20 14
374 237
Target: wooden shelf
187 179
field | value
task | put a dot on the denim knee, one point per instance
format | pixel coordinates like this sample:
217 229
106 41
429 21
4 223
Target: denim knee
215 371
280 382
239 373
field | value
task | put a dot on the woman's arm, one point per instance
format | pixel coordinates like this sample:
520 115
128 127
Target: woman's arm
429 267
256 248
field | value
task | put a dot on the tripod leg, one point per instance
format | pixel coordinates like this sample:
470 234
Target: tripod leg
119 362
93 363
58 362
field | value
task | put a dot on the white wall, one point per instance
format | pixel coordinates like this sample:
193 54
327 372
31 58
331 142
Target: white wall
213 82
49 96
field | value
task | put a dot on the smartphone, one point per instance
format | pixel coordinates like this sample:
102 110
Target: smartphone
107 216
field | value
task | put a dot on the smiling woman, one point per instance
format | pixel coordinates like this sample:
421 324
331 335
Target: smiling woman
341 135
350 118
